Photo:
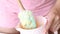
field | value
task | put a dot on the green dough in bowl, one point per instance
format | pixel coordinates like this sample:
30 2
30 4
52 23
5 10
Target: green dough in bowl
27 19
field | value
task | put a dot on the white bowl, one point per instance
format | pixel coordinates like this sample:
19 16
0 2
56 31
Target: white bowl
34 31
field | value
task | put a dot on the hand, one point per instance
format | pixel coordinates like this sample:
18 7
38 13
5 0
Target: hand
50 17
56 24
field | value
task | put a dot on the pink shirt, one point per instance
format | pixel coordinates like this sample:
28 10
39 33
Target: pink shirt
38 7
9 10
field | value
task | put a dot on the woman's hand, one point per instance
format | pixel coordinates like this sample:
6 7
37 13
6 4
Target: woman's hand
56 24
50 17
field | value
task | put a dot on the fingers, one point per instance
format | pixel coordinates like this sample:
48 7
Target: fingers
55 27
56 20
56 24
50 17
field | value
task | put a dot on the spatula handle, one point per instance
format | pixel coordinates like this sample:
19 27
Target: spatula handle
20 5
